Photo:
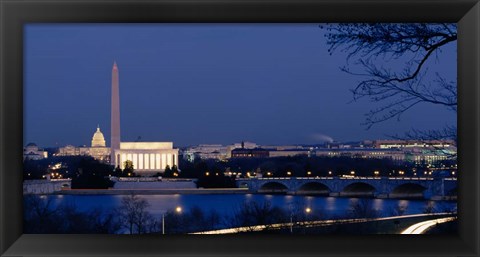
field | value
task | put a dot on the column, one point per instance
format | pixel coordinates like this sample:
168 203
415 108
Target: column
147 161
152 161
123 158
169 159
157 161
140 161
164 161
135 161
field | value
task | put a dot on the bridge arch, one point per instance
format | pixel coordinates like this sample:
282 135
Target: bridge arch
359 189
273 187
409 190
314 188
243 184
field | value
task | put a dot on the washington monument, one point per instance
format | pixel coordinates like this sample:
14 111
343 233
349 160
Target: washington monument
115 117
148 158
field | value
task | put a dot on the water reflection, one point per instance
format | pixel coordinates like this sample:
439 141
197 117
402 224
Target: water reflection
227 204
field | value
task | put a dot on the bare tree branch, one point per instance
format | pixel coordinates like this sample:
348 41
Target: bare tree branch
396 91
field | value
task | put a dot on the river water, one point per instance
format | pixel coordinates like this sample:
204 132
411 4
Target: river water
227 204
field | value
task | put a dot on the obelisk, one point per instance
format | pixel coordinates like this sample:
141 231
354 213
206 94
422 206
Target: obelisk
115 117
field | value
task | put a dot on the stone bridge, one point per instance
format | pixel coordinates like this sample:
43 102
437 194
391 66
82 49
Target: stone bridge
46 186
381 187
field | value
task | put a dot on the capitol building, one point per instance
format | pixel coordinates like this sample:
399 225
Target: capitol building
98 149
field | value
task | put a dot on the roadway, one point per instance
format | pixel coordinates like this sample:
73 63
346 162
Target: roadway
321 223
421 227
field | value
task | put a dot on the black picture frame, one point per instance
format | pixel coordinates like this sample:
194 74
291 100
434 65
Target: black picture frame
14 14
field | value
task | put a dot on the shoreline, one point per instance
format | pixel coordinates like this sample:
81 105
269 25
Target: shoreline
152 191
209 191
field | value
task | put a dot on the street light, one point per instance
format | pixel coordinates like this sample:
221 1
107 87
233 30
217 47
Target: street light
177 210
308 210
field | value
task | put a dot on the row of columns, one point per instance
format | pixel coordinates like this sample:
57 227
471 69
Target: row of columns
149 161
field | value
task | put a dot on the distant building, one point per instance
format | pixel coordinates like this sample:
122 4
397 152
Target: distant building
70 150
218 152
32 152
244 145
288 152
421 151
428 156
393 154
413 143
414 152
98 149
250 153
282 147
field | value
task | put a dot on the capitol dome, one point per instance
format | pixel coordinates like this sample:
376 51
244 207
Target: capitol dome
31 147
98 140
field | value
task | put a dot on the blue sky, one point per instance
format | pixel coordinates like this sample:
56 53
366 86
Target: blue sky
201 84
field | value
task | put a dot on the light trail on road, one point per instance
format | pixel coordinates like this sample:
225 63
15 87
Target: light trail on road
309 224
421 227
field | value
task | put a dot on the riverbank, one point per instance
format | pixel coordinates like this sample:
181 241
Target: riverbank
214 191
185 191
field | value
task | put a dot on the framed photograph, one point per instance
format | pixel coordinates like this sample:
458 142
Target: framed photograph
279 128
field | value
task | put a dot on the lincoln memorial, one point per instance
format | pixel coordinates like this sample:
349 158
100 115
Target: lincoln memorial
147 157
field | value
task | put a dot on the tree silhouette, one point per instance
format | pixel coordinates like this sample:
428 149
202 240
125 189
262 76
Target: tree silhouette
129 169
135 217
377 45
168 173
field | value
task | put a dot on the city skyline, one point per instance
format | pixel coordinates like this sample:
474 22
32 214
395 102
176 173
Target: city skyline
212 78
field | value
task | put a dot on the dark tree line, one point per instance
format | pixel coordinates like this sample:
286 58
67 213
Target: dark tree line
42 216
85 171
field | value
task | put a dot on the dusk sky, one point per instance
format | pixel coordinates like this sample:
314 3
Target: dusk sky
202 84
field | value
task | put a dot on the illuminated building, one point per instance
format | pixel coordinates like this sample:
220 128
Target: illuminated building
250 153
245 145
98 149
217 152
32 152
385 144
366 153
288 152
147 157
